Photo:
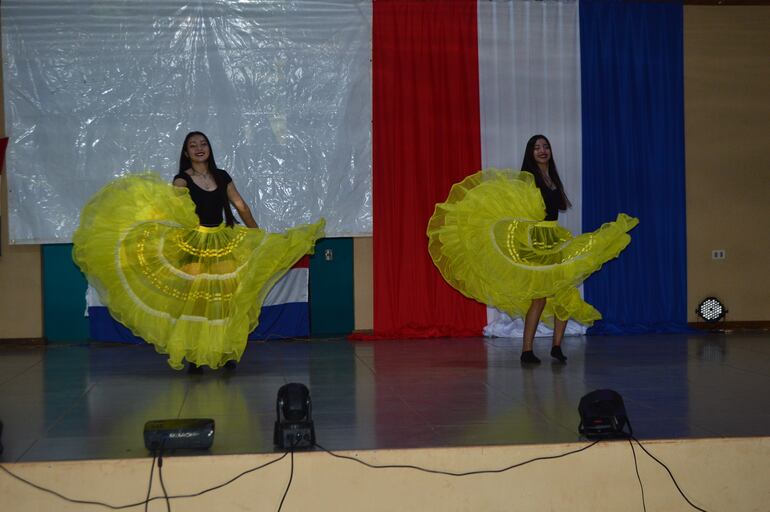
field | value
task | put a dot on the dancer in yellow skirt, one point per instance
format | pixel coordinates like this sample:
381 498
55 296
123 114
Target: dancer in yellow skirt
171 264
496 239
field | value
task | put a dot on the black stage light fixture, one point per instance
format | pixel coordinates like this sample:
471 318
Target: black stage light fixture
711 310
603 415
179 434
294 423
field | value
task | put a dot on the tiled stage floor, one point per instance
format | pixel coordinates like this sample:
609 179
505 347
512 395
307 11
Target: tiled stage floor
82 402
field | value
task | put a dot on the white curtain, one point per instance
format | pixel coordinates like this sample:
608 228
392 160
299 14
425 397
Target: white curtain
529 83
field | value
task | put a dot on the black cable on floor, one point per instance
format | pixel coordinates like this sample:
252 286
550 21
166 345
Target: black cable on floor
138 503
233 479
346 457
669 474
162 484
149 485
291 477
72 500
638 477
452 473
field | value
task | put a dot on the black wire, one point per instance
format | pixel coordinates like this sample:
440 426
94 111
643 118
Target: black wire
149 485
291 477
138 503
638 477
233 479
72 500
451 473
669 474
346 457
160 477
291 473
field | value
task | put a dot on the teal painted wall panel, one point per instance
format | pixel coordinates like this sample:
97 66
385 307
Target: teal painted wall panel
331 287
64 296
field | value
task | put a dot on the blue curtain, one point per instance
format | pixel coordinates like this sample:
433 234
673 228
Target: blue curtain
633 160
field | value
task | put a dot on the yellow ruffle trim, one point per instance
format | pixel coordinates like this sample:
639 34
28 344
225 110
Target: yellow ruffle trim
194 292
489 242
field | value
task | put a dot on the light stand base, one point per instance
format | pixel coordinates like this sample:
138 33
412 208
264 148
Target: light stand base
293 435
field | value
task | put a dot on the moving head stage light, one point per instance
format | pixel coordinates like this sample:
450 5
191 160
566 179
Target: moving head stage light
603 415
294 424
178 434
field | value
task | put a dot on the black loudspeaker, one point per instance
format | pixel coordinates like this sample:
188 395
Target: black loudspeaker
603 415
294 423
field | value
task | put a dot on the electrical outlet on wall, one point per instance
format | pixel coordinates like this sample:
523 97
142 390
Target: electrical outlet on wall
718 254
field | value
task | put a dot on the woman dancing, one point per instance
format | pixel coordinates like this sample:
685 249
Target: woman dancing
496 239
172 265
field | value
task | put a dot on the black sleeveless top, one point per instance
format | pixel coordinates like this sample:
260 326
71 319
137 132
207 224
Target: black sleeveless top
209 205
553 202
553 199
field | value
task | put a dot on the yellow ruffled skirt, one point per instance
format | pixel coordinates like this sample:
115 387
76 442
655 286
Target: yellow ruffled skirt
489 242
193 292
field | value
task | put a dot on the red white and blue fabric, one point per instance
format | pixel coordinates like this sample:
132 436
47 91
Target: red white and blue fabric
460 85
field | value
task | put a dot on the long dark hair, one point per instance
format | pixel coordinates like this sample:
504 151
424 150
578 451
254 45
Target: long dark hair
219 178
530 165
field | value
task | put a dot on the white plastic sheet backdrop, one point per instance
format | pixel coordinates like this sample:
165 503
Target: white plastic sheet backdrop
95 89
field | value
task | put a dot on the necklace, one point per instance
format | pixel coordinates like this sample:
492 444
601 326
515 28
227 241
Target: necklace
205 180
205 177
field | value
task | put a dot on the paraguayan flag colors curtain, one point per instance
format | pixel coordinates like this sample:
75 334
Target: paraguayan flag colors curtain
459 85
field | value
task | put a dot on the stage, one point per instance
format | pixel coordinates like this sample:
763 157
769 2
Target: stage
63 402
74 417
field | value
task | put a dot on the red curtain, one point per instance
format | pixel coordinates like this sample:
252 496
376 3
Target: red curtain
425 138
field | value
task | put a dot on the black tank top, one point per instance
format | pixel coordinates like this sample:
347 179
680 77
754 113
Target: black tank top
209 205
553 202
553 199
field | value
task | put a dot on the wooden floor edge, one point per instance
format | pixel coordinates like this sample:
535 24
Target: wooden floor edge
755 325
23 341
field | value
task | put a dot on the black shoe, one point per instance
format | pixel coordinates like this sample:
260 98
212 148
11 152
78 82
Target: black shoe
230 365
529 357
194 369
556 353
